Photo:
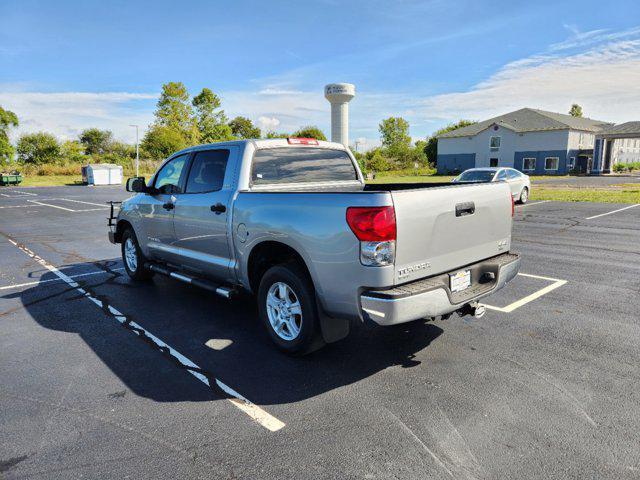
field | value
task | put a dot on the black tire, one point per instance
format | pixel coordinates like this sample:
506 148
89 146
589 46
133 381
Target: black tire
139 273
523 199
295 277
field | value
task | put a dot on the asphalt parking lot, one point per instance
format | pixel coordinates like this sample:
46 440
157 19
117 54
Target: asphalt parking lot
546 385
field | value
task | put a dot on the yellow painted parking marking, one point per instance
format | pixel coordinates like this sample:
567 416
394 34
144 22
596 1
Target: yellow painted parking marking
557 283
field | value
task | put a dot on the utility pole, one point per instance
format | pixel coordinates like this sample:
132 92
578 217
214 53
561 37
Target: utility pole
137 151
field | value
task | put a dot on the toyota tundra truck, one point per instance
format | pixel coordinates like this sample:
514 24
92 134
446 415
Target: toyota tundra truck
292 222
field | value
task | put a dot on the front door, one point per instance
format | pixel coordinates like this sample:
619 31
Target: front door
157 209
202 212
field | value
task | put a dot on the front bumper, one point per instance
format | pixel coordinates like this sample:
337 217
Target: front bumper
431 297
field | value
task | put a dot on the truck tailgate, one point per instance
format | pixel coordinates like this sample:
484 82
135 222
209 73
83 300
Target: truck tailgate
436 231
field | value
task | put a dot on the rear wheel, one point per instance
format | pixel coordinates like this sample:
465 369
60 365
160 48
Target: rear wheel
287 306
133 258
524 195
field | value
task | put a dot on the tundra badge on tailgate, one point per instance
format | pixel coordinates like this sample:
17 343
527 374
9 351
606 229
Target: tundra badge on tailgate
403 272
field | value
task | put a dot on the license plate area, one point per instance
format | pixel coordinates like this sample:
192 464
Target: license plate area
460 281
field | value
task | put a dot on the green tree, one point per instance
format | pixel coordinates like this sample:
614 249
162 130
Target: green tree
160 141
210 118
96 141
576 110
175 112
272 134
242 127
394 133
123 150
38 148
72 151
431 147
310 131
8 120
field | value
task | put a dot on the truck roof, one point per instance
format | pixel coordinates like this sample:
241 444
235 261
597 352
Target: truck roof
265 143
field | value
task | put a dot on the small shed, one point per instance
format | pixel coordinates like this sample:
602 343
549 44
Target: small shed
102 174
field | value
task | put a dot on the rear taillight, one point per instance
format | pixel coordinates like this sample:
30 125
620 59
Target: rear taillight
513 205
372 223
375 227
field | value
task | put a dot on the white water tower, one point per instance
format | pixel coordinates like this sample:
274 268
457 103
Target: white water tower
339 96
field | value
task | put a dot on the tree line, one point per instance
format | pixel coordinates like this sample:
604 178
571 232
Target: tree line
181 120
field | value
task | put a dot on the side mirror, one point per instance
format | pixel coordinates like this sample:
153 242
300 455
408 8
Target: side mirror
136 184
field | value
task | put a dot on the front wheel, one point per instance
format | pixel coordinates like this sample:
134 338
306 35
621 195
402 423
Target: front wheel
287 306
133 258
524 195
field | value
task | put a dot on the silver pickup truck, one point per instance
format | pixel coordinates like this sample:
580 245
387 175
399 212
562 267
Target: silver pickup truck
293 222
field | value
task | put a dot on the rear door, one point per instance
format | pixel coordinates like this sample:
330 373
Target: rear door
202 213
444 228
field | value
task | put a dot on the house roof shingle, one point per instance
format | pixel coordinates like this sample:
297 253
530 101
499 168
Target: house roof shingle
624 129
531 120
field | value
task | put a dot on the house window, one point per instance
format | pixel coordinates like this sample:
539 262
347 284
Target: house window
493 162
528 164
551 163
495 144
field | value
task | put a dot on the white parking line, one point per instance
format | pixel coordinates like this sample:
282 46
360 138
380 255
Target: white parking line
69 209
614 211
531 204
39 282
557 283
19 194
49 205
80 201
16 206
255 412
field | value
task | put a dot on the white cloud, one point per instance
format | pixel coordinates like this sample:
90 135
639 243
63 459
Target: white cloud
599 69
66 114
604 80
268 124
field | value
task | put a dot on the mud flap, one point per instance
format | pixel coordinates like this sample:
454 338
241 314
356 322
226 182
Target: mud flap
333 329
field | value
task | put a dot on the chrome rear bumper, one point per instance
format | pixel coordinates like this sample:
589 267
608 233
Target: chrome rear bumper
431 297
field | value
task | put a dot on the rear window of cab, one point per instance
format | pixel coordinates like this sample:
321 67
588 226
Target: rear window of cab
301 165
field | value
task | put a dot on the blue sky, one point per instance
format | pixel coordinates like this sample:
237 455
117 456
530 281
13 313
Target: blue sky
69 65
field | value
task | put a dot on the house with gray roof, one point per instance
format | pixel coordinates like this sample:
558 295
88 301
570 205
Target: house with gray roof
533 141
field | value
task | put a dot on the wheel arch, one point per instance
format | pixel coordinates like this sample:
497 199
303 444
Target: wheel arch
267 254
121 226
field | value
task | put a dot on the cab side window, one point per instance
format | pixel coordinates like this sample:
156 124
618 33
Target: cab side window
168 178
502 175
207 171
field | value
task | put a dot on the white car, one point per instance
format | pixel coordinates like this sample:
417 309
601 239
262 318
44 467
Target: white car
519 183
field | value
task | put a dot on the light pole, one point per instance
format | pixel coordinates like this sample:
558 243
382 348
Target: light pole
137 150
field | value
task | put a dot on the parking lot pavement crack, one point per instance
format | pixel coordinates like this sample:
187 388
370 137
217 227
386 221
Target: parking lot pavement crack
443 464
548 379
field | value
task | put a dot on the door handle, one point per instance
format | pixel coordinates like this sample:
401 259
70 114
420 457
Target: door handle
467 208
168 206
218 208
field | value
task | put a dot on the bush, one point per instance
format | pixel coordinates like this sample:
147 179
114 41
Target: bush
378 162
620 167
